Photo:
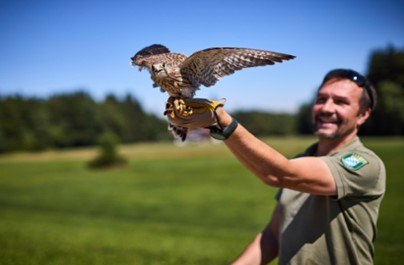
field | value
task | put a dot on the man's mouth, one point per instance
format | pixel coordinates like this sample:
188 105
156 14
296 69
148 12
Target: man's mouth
326 121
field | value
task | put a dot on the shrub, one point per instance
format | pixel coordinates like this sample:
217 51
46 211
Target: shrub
108 155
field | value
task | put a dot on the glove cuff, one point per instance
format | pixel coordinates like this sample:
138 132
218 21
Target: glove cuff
215 104
223 133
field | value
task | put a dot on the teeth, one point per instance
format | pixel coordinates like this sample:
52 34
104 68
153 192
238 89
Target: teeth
327 119
321 121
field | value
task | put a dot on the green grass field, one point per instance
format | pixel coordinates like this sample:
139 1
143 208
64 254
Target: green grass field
170 205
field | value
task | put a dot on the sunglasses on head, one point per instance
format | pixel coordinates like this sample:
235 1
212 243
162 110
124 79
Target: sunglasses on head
355 77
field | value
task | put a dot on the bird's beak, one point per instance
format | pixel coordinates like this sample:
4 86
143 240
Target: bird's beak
132 61
157 68
133 64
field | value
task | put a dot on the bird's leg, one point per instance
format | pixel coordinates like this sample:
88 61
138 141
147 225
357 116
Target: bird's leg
170 107
182 108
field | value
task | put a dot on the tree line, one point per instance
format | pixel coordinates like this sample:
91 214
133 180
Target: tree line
76 119
73 120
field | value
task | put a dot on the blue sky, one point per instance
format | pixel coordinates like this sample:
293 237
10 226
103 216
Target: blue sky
49 47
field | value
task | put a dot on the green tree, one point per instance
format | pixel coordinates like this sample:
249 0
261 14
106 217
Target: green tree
112 117
388 118
303 119
24 124
387 65
127 119
108 155
140 125
75 119
264 123
386 72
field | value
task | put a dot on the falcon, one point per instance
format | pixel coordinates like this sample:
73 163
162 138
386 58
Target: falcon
181 76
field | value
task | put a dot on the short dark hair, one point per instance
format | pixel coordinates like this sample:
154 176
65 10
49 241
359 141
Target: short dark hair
369 95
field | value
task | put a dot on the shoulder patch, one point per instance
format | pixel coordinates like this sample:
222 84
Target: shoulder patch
353 161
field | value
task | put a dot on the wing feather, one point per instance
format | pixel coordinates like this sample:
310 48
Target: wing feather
206 67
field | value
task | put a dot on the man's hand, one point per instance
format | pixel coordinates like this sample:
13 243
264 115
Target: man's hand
192 113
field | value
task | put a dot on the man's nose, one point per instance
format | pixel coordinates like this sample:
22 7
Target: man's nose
328 106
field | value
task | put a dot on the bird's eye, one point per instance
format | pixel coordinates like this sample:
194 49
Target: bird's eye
164 65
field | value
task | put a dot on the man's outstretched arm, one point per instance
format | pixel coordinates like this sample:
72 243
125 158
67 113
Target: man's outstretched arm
306 174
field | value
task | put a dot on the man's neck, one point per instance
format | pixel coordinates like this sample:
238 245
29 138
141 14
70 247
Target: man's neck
329 146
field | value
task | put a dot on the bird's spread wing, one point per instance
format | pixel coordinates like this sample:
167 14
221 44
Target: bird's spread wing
206 67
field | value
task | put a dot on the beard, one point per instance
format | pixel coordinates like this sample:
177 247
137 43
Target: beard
330 129
326 127
329 136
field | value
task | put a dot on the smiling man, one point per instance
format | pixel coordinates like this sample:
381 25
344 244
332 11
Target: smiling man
329 196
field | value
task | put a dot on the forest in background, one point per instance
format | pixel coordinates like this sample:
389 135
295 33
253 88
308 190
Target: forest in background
76 119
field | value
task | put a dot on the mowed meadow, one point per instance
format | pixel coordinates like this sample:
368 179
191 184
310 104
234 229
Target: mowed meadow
194 204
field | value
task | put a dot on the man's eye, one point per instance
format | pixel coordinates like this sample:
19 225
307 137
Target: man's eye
320 100
340 102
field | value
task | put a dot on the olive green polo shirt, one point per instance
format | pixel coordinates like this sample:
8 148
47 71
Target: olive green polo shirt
334 229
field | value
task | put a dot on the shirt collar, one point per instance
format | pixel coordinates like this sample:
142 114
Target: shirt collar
355 142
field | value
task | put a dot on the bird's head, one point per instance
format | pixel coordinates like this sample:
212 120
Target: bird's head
159 69
143 58
138 61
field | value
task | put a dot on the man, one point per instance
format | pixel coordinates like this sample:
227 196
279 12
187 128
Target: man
329 196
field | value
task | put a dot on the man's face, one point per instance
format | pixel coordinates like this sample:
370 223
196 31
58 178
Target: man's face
336 112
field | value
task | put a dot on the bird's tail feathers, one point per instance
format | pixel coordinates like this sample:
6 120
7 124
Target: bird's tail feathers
178 132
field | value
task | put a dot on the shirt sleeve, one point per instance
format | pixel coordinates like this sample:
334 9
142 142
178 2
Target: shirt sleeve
357 174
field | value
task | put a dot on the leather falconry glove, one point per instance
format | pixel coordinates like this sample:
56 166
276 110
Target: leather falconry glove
192 112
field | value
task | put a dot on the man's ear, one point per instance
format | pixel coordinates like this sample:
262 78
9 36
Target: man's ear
363 116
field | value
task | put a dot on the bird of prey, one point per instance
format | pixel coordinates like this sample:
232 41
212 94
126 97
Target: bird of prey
180 76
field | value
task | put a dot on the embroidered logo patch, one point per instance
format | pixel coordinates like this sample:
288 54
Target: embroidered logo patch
353 161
